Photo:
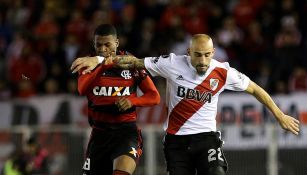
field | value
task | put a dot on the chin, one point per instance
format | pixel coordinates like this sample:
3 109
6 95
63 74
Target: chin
201 72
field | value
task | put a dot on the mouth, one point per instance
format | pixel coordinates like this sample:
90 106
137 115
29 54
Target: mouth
106 54
202 66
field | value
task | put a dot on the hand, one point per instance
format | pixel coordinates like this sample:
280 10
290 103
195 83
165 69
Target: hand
123 104
289 123
125 61
86 63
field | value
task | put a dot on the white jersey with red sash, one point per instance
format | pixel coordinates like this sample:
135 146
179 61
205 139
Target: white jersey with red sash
192 98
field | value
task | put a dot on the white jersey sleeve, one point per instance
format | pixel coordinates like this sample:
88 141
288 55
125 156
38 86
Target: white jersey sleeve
159 66
236 81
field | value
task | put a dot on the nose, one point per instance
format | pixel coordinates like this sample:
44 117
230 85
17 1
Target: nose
104 48
203 60
101 49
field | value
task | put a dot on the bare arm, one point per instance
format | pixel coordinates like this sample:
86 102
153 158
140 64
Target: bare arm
87 64
129 62
137 63
286 122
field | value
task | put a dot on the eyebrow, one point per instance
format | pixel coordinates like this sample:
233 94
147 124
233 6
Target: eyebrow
102 43
203 53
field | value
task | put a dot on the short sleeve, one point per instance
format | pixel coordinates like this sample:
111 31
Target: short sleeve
236 80
159 66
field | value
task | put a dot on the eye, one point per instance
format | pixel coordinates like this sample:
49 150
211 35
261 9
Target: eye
208 54
108 45
197 54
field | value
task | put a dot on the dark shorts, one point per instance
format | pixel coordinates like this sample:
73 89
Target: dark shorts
108 142
188 154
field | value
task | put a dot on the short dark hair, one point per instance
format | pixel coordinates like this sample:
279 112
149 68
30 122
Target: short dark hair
105 29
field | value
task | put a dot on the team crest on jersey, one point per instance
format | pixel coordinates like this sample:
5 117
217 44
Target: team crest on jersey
126 74
214 83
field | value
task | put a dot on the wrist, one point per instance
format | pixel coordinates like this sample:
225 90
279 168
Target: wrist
100 59
278 114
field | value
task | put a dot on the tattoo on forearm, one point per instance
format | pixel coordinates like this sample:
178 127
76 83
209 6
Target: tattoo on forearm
139 64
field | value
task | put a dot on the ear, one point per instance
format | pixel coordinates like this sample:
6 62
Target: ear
94 46
189 51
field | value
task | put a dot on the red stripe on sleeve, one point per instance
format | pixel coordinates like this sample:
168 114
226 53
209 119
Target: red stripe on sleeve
150 95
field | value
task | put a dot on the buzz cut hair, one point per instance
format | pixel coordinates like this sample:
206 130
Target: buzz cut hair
105 29
201 37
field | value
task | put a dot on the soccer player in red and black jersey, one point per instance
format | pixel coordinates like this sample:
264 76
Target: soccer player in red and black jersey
115 144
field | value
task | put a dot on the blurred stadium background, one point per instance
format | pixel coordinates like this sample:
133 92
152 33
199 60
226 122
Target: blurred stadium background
265 39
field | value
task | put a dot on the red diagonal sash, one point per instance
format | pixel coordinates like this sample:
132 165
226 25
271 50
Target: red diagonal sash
185 109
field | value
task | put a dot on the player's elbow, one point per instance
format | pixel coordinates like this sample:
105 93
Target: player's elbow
156 98
152 97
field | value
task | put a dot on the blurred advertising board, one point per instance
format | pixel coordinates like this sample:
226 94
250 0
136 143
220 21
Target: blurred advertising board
241 118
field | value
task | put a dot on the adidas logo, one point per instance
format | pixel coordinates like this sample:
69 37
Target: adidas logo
180 77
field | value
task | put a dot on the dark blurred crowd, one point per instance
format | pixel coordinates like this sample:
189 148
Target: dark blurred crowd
265 39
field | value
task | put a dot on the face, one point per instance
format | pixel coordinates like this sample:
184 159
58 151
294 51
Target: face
201 53
105 45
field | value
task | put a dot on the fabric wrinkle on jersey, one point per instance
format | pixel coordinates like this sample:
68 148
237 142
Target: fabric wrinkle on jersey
192 99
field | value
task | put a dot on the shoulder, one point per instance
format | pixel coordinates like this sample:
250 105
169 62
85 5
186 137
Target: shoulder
174 59
223 65
166 59
178 57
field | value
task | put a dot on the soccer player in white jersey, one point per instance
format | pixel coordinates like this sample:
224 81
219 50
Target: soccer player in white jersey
194 83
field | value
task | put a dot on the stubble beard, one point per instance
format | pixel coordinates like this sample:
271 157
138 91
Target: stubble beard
201 73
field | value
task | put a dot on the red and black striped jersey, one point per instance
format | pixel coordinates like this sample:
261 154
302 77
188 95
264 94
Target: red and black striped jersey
105 85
